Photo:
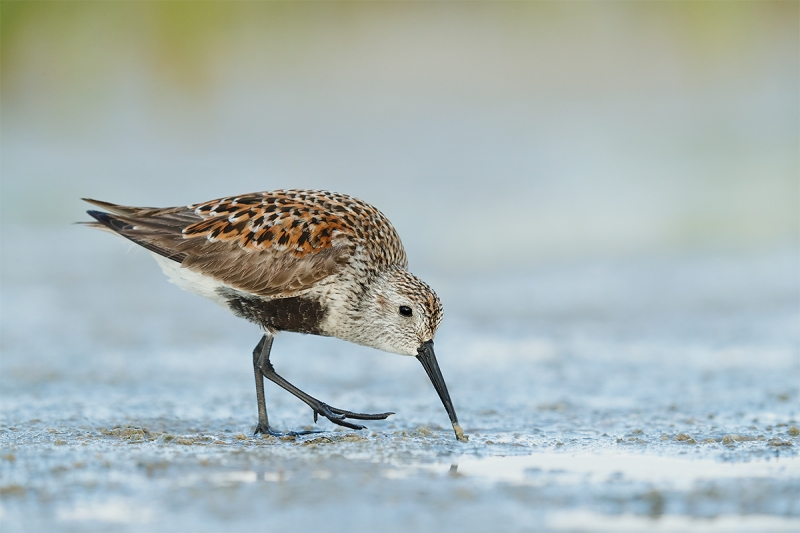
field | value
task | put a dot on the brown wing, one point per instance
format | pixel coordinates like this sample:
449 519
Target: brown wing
294 222
267 272
299 223
239 242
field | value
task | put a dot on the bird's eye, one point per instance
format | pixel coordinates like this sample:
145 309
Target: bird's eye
405 310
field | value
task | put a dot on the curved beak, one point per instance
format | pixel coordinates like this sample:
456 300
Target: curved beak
428 359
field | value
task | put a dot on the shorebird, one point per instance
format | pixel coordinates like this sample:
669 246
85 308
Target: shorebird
304 261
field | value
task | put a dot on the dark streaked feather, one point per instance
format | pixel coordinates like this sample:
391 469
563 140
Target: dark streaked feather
272 268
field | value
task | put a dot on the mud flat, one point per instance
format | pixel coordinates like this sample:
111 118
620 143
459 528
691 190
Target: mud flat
662 395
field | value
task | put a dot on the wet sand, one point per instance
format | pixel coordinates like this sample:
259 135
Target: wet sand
657 394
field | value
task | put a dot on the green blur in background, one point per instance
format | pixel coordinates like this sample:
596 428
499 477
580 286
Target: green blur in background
494 135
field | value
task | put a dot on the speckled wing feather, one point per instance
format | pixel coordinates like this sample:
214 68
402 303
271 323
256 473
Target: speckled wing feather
275 243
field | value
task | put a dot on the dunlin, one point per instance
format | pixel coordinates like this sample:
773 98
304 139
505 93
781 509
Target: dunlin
305 261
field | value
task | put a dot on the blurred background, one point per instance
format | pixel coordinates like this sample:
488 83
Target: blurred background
494 136
605 195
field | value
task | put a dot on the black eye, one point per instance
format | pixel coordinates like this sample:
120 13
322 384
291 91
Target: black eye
405 310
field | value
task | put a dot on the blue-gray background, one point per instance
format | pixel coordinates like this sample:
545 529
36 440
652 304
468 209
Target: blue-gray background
493 135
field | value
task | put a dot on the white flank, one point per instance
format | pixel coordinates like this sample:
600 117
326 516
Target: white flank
191 281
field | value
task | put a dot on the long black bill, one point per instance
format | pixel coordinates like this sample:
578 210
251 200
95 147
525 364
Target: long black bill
428 359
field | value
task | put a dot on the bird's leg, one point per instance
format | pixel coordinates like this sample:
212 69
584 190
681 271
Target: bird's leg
264 368
263 421
264 345
260 353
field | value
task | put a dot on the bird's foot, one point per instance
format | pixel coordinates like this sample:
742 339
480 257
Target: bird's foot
264 429
337 416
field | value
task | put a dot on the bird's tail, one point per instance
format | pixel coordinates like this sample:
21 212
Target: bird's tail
155 229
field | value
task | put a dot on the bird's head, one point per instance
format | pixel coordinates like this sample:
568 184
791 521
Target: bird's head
400 313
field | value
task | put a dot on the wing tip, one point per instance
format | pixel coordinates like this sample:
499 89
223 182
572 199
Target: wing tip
99 203
109 221
114 208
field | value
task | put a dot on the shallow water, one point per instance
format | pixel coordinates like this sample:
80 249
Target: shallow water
657 394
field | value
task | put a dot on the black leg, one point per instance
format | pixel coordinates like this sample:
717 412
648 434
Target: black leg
262 351
263 421
263 368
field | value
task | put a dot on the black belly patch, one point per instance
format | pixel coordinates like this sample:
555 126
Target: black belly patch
296 314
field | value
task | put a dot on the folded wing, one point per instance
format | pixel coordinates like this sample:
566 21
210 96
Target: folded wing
269 244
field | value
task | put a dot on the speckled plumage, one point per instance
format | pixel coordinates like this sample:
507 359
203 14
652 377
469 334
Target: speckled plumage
299 222
292 260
